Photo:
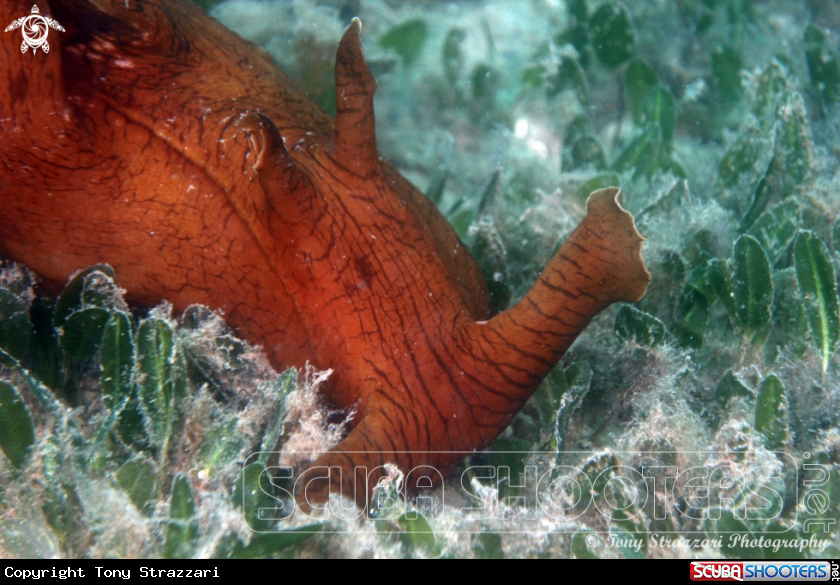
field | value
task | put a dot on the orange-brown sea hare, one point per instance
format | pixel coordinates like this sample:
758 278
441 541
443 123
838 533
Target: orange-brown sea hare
153 139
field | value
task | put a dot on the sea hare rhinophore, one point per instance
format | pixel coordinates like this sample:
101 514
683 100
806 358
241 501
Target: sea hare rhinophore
153 139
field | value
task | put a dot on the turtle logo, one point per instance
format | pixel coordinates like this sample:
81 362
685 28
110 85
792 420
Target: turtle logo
35 30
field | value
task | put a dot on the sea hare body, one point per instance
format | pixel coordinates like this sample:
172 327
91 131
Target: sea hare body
152 139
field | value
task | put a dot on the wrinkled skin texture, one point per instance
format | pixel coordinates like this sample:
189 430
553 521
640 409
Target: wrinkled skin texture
152 139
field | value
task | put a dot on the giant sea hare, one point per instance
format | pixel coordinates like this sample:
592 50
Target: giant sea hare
153 139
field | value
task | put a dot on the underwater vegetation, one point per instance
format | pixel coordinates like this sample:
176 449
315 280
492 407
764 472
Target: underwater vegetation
124 432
